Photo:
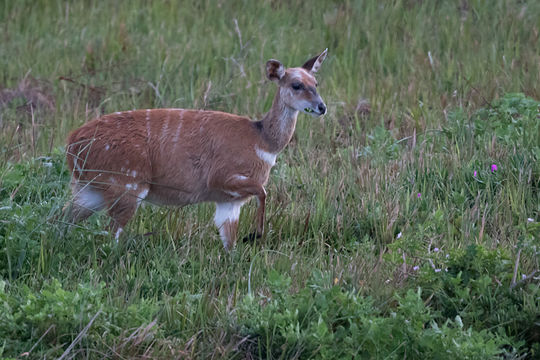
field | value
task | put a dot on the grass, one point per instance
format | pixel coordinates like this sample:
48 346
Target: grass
423 98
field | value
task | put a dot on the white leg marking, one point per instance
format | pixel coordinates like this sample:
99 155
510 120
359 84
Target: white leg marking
267 157
229 211
142 195
89 198
117 235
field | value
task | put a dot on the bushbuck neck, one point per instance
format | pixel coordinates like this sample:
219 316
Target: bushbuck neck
278 124
180 157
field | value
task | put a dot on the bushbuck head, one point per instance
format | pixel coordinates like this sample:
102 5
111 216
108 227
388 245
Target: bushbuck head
298 86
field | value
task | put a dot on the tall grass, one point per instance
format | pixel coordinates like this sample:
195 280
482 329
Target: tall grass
401 165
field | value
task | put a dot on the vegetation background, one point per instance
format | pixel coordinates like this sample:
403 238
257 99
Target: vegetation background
403 224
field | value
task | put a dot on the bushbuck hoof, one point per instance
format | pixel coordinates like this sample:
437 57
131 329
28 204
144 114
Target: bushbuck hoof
251 237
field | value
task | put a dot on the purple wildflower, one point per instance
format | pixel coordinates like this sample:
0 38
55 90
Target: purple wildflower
436 249
475 173
437 270
416 268
419 195
494 168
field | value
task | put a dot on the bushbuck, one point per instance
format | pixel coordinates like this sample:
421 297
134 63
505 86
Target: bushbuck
180 157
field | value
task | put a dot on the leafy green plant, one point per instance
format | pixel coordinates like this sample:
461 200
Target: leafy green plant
514 121
328 322
474 284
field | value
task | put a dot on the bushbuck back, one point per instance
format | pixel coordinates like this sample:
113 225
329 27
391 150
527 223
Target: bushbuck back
180 157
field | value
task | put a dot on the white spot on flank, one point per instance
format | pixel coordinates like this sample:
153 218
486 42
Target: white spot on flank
241 177
107 147
118 113
131 186
133 173
267 157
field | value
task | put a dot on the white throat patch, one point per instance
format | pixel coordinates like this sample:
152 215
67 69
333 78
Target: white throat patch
266 156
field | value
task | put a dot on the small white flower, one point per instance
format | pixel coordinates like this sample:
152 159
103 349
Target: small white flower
528 219
398 235
416 268
437 270
523 276
436 249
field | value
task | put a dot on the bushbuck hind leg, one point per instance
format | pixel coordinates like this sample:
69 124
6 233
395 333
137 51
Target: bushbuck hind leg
123 203
86 201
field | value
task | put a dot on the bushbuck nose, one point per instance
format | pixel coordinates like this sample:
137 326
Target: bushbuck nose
322 108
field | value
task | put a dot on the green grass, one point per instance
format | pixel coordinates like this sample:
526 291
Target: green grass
423 98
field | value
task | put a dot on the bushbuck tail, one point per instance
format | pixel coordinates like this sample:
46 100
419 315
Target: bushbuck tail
180 157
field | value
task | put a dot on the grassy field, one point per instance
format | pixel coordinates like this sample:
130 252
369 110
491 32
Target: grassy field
403 224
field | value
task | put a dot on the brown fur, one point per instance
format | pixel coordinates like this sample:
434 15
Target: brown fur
180 157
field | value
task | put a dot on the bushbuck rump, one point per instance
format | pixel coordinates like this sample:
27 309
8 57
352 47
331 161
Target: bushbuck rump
180 157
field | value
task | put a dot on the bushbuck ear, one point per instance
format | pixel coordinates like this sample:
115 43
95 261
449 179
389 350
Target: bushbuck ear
313 64
274 70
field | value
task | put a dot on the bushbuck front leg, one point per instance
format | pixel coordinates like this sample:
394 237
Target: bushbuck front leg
261 210
261 199
227 213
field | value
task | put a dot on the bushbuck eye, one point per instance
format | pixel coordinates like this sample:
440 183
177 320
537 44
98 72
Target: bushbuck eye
297 86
